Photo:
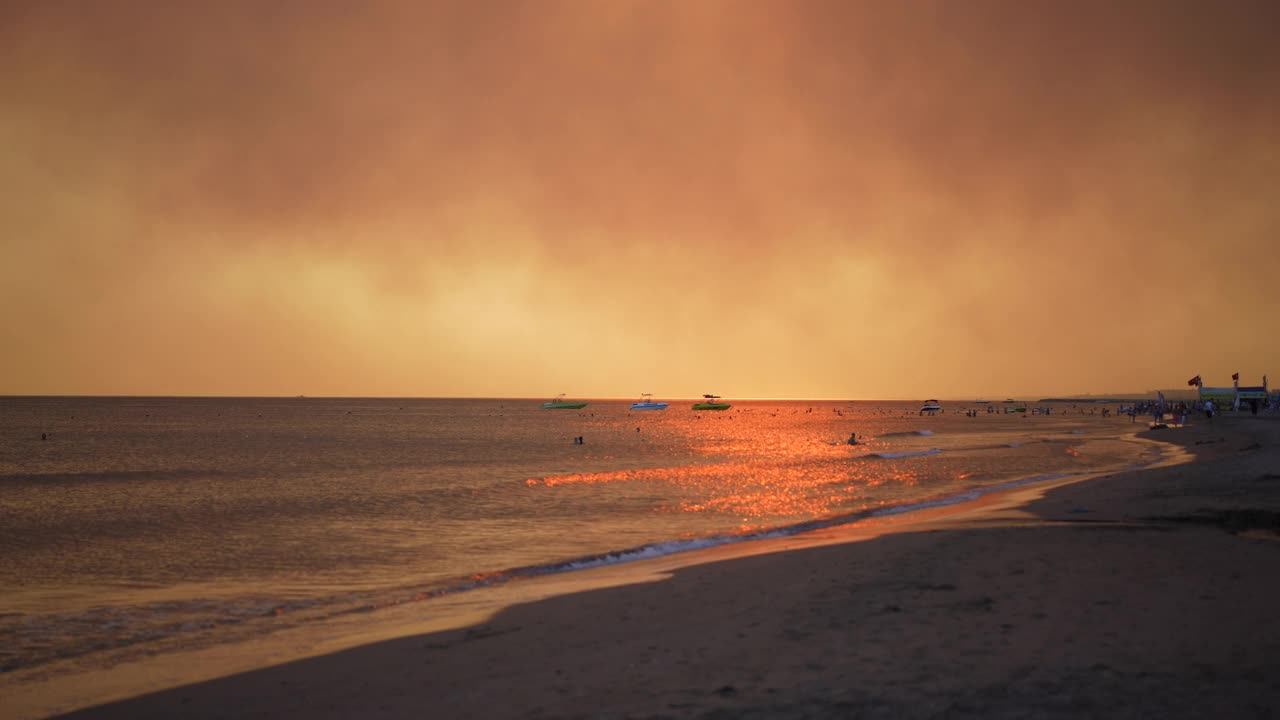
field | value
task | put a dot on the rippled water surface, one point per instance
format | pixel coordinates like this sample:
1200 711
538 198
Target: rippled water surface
153 520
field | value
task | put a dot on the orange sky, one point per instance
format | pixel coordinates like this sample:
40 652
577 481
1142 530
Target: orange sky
771 198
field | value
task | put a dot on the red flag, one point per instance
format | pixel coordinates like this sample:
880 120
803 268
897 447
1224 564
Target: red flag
1195 381
1235 376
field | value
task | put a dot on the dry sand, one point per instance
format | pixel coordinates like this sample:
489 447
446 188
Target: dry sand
1147 594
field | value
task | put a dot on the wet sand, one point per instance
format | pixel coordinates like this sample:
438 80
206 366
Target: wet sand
1146 594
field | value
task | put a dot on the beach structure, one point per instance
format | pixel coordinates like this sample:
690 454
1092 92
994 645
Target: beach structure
1233 395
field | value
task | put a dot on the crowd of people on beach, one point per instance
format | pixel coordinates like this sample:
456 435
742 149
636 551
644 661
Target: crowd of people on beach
1179 411
1158 409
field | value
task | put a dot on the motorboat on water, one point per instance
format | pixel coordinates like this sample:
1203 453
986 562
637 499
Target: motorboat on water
647 403
931 406
561 404
711 403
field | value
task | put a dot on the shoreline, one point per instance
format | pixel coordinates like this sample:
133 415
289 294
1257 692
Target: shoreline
1030 508
298 619
483 594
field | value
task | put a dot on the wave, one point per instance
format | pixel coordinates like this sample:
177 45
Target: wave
195 618
105 476
1001 446
671 547
968 495
904 454
925 433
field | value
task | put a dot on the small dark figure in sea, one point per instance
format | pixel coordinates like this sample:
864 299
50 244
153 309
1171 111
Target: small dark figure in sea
853 438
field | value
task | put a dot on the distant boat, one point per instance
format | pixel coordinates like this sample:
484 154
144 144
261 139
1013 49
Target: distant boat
981 402
561 404
931 406
647 403
711 404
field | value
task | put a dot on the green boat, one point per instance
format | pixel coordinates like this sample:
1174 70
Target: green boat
711 404
561 404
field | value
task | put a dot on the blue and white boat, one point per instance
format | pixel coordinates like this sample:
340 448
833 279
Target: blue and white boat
647 403
561 404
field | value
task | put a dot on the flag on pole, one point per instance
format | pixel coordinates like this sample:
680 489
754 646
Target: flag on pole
1196 381
1235 376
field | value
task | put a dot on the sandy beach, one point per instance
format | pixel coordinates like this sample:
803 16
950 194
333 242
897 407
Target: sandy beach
1145 594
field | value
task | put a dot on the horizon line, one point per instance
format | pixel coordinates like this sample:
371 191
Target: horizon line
1094 396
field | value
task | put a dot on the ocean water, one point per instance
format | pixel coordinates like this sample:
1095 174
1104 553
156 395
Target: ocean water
150 524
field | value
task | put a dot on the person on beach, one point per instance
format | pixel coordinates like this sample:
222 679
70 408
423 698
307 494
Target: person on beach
1208 409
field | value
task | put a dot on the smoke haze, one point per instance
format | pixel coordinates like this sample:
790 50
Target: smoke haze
764 199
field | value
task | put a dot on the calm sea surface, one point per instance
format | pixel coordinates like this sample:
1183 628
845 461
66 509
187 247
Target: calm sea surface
155 523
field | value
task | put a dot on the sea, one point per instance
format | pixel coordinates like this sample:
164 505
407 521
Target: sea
148 525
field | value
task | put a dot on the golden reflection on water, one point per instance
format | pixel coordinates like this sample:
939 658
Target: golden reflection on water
753 466
754 490
763 464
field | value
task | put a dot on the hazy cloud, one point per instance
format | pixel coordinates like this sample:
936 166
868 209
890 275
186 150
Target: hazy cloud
847 199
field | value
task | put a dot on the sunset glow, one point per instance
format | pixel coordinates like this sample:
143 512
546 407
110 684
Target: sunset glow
517 199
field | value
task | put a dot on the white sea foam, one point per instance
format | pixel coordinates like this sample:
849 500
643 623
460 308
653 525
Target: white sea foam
646 552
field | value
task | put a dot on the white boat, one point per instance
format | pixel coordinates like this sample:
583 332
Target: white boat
931 406
647 403
561 404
